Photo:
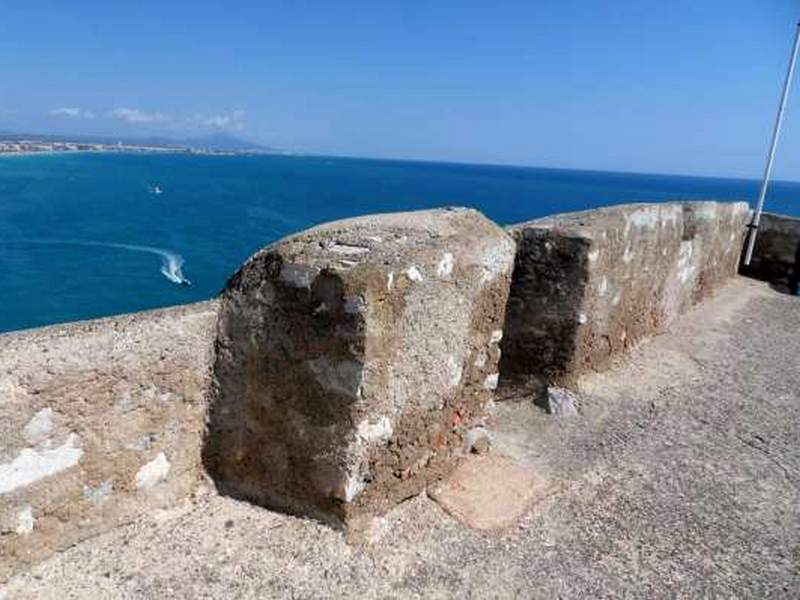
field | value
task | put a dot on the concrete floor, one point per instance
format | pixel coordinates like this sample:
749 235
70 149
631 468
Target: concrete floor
678 478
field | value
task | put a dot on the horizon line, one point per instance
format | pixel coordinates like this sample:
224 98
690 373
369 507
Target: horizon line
272 150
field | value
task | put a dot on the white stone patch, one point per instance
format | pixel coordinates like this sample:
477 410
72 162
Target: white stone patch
32 465
300 276
39 427
445 266
454 369
583 319
685 267
347 249
707 211
603 287
491 381
617 297
628 255
354 305
496 336
670 214
593 255
414 274
380 431
498 259
390 281
652 216
480 359
343 377
473 436
153 472
8 391
25 520
352 487
97 495
643 218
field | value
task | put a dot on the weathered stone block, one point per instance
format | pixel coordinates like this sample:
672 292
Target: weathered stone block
588 285
352 357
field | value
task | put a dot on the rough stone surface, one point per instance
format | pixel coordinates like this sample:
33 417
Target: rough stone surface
588 286
489 492
76 403
561 402
352 357
777 246
678 479
477 440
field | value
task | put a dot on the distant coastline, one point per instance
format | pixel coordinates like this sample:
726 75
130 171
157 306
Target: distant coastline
26 143
24 147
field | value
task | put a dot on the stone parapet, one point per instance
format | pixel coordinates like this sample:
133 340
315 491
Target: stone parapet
777 248
100 421
342 369
589 285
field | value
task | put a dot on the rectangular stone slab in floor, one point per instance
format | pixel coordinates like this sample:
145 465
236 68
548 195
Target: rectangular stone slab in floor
352 357
489 492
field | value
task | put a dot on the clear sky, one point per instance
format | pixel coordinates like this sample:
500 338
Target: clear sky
670 86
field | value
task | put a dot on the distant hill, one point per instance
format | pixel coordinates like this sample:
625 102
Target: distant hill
224 141
214 141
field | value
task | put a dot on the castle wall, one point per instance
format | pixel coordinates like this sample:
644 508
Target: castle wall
342 370
589 285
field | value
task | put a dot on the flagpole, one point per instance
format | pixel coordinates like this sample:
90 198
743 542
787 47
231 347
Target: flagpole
751 241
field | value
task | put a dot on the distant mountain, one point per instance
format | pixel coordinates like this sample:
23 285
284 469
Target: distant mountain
215 141
224 141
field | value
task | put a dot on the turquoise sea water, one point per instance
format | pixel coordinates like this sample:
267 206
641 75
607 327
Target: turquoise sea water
83 235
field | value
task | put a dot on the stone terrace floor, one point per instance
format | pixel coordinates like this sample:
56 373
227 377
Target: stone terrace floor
678 478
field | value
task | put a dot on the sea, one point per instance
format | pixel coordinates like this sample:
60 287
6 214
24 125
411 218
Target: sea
87 235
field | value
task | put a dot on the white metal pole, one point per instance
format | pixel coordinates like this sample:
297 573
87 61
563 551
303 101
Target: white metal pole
751 241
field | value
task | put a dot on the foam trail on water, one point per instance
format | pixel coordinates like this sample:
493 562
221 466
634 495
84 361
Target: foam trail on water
171 263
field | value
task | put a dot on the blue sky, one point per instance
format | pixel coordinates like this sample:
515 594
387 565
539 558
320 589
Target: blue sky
655 86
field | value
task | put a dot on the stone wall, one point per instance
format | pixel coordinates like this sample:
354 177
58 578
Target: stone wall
342 370
589 285
777 245
99 422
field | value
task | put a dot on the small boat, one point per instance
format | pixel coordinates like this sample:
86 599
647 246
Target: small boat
156 190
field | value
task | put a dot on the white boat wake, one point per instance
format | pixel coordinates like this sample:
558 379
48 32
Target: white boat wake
171 263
